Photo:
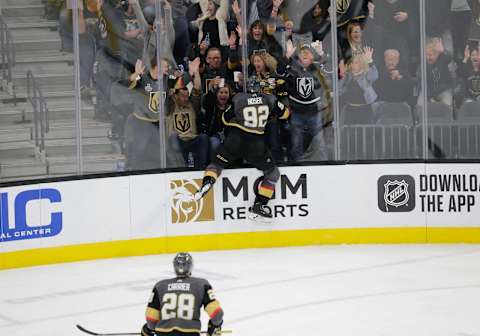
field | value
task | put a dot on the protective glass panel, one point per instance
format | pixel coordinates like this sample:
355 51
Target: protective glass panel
289 57
113 41
184 57
452 73
37 118
379 53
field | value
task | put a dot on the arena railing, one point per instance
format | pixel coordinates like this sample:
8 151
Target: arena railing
40 111
8 57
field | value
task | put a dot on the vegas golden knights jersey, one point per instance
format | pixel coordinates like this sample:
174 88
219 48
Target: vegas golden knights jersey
250 112
144 94
175 304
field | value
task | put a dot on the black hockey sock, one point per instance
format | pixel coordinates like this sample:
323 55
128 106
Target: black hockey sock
259 199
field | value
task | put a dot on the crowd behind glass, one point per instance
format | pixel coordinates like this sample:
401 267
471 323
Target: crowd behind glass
289 51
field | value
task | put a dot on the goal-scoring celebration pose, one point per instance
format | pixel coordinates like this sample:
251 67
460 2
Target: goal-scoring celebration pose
246 119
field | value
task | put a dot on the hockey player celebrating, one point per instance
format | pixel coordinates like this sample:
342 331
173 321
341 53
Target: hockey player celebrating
246 119
175 304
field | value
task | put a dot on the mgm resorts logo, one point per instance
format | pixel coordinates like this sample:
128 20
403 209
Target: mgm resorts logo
234 198
396 193
184 208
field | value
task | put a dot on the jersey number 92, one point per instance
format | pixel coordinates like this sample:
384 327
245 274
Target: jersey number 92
256 116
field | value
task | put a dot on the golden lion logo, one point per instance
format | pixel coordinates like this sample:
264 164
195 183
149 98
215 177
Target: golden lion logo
184 208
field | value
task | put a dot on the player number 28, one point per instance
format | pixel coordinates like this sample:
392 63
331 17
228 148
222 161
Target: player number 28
255 116
178 306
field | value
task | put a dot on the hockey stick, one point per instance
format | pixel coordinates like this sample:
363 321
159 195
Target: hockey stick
99 334
137 333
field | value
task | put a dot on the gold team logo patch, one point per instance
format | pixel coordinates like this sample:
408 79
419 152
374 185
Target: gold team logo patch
154 101
182 122
342 6
184 208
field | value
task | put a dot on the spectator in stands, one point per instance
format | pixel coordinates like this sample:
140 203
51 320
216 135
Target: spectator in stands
356 41
469 74
439 77
380 38
437 21
215 102
394 83
264 73
401 22
132 35
257 40
214 70
167 34
212 26
264 77
183 114
142 136
111 65
288 31
262 10
356 87
309 98
461 18
474 31
314 21
180 25
140 96
89 35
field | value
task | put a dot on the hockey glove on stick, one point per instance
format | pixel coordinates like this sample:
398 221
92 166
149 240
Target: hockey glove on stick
214 330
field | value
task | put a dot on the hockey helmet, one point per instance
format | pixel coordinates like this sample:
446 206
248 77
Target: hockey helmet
253 85
183 264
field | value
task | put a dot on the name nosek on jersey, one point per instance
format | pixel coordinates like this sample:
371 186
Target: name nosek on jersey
255 101
179 286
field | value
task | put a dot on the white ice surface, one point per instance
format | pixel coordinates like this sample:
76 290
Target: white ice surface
324 290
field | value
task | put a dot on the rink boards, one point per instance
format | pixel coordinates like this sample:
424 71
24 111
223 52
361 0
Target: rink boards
149 214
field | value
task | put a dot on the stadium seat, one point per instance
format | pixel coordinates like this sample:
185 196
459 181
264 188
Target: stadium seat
357 115
468 139
436 113
470 111
394 114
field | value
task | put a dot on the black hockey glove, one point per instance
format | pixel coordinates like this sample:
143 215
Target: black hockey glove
214 330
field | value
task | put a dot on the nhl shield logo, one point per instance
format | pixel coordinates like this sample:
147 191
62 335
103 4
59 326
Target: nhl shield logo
305 86
396 193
